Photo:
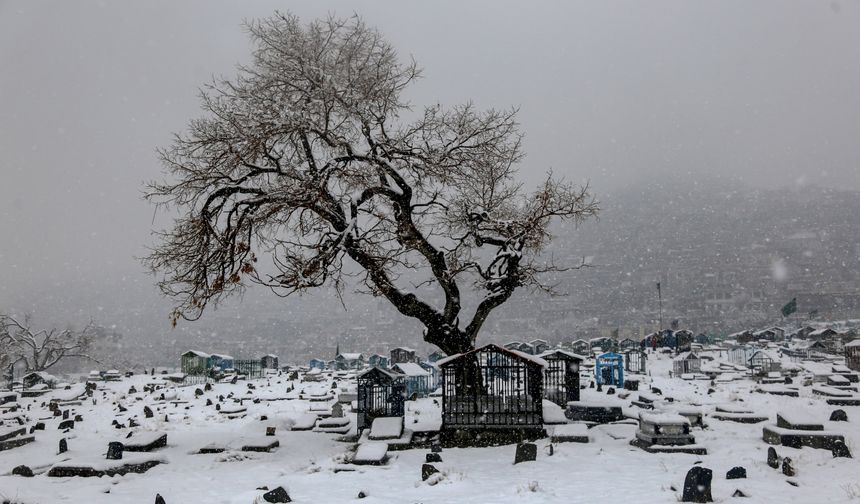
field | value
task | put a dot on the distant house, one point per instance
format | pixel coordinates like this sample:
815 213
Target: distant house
580 347
269 361
220 362
628 344
852 355
317 364
822 334
434 356
416 377
683 340
403 354
519 346
345 361
770 334
603 343
538 346
745 336
194 362
378 360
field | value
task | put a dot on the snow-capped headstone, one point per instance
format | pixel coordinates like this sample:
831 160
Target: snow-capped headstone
737 472
277 495
114 450
66 424
788 468
147 412
839 416
772 458
697 485
840 449
526 452
428 470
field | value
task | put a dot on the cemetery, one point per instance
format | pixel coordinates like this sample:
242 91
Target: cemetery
535 422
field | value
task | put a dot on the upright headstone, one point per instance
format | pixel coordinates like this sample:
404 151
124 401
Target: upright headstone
839 416
159 499
147 412
270 431
427 470
697 485
526 452
114 450
64 446
772 458
736 473
432 458
337 410
788 468
840 449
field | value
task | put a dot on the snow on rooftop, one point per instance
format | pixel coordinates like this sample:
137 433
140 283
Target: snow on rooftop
350 356
411 369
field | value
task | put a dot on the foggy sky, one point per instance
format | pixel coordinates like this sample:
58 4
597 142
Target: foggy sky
611 92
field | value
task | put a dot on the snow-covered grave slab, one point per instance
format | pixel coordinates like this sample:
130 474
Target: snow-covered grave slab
553 414
8 397
844 401
261 444
11 432
386 428
234 411
795 438
145 442
826 391
214 447
593 413
334 425
747 418
798 420
96 467
370 453
569 433
780 390
303 422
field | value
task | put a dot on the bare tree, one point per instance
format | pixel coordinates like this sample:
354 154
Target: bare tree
43 349
312 159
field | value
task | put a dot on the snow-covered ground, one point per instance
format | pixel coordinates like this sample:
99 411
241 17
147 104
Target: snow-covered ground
311 464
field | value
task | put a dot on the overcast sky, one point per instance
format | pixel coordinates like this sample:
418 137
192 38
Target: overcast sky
609 91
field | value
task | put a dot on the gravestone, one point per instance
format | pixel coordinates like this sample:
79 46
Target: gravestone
114 450
431 458
839 416
270 431
208 402
277 495
772 458
64 446
147 412
361 494
697 485
22 470
159 499
122 409
787 467
337 410
840 450
427 470
65 414
526 452
198 392
39 426
657 391
132 390
133 423
739 493
263 418
207 387
736 473
79 418
66 424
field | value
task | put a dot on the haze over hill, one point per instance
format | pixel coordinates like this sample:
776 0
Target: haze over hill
727 256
